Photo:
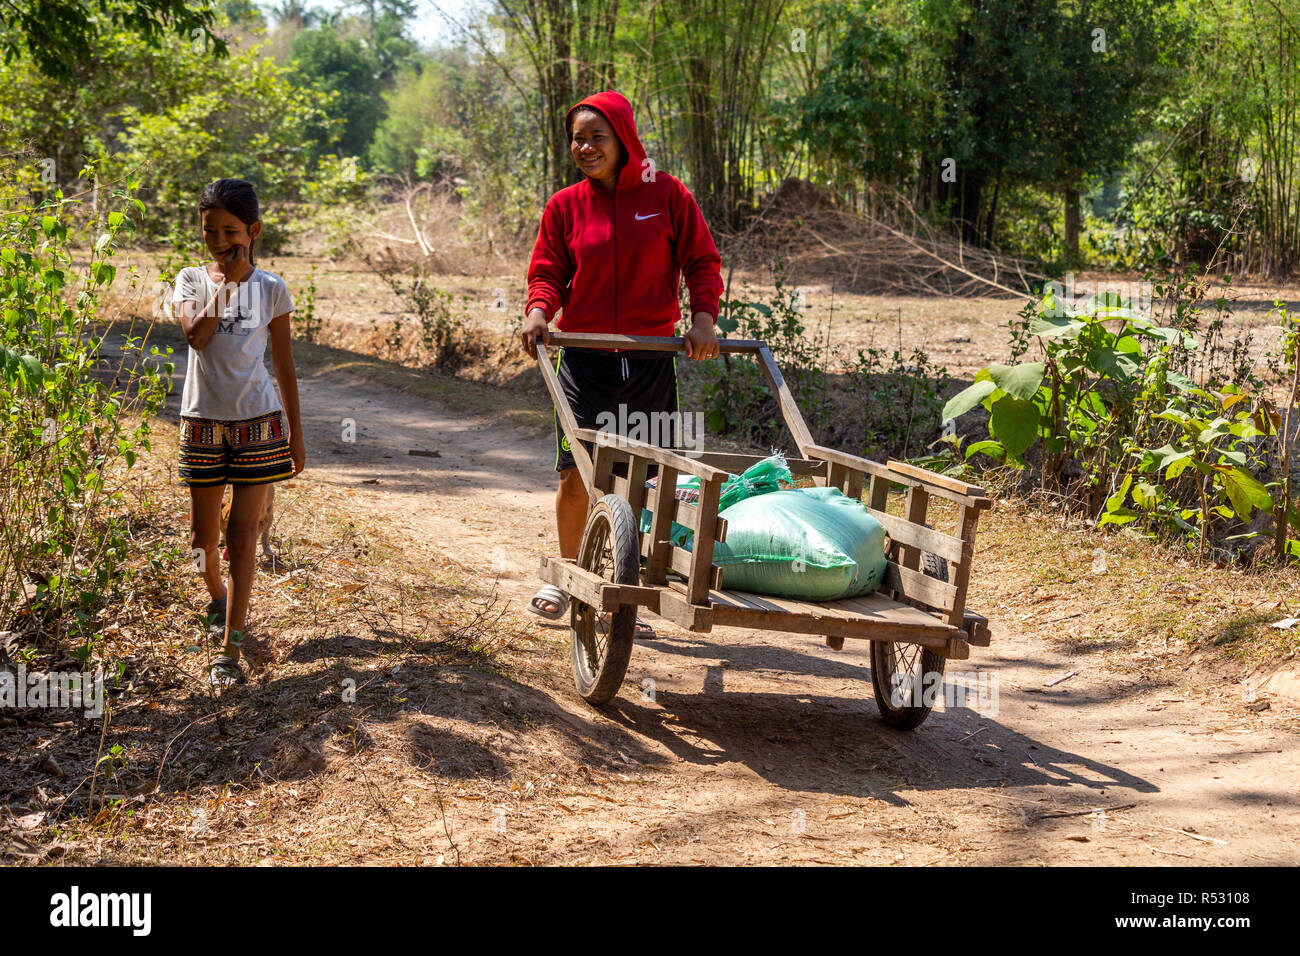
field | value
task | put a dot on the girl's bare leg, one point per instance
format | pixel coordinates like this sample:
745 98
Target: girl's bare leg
205 533
241 539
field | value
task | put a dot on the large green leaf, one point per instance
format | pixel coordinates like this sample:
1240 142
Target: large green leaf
1116 500
966 399
1157 459
1146 495
1172 336
1115 363
1014 422
32 373
1053 326
1177 467
1245 492
1122 516
1215 429
1020 381
1129 315
991 448
1106 300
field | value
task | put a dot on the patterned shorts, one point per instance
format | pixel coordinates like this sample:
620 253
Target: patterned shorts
250 452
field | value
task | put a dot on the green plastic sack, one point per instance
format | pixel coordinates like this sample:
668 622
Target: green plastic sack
816 544
760 478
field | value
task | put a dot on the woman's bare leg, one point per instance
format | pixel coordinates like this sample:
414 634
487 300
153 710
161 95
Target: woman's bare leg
570 511
570 519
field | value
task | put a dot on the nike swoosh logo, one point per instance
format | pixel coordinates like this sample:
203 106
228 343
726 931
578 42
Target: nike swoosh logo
639 216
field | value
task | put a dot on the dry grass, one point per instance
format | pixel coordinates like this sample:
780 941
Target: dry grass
1059 579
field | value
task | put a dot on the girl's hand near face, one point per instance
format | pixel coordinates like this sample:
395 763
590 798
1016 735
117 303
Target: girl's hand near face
234 261
702 339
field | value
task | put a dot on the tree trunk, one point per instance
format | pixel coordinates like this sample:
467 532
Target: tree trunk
1072 218
993 210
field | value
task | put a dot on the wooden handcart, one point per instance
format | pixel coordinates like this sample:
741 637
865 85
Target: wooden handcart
915 621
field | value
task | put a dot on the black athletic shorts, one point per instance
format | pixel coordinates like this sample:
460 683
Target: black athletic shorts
633 394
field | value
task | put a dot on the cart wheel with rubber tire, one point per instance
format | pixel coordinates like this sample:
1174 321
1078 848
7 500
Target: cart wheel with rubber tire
609 549
906 676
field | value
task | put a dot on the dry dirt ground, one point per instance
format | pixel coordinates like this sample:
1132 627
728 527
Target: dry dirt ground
732 747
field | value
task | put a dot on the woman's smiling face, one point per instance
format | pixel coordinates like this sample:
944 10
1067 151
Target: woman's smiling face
595 148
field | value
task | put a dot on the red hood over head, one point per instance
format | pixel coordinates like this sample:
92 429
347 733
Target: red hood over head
614 106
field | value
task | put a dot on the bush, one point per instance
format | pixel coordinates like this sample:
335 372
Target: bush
256 133
73 420
735 393
1165 427
444 338
875 402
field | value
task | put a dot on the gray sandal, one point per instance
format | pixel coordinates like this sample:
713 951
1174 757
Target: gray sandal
642 631
551 595
225 671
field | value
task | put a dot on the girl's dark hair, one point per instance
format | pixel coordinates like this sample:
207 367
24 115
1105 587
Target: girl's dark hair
586 108
237 197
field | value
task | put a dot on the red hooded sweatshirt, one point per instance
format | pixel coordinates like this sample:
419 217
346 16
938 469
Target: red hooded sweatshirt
613 261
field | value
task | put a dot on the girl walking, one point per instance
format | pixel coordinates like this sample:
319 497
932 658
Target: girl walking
611 251
233 427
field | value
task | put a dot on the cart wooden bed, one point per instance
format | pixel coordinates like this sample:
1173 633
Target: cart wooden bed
915 622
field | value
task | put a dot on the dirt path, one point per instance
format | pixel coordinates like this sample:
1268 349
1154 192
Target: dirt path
757 747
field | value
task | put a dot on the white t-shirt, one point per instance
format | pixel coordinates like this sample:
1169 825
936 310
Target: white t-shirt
227 378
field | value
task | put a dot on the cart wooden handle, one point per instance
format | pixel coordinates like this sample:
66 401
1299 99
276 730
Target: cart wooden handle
645 343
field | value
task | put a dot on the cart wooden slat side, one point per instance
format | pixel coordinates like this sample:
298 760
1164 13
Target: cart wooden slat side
911 607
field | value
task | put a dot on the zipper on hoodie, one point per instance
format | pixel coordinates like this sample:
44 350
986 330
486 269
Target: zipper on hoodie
614 194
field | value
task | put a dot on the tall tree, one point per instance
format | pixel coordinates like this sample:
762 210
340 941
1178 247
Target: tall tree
294 12
60 34
706 84
1111 61
340 65
372 12
570 50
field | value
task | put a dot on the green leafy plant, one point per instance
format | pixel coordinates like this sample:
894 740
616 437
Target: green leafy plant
897 398
307 324
74 418
444 336
1216 453
1113 419
735 393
